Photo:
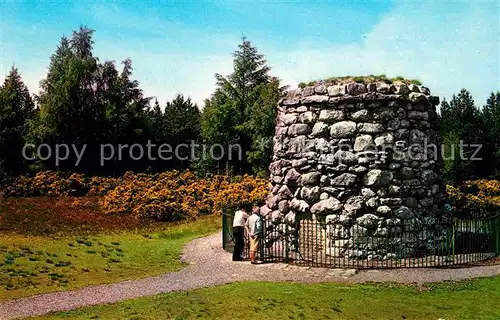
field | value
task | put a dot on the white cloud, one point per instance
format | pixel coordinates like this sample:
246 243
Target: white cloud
446 47
445 50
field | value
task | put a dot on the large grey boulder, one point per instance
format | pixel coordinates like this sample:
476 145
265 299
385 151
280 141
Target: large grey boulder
354 206
404 213
384 114
418 115
310 193
417 137
401 89
417 97
384 140
319 129
377 177
428 177
391 202
287 119
344 180
360 115
406 173
363 142
299 129
314 99
292 177
310 178
284 206
343 129
337 90
384 210
264 210
297 163
307 117
367 193
331 115
327 206
297 145
284 192
367 220
299 205
332 218
355 89
371 128
346 157
383 87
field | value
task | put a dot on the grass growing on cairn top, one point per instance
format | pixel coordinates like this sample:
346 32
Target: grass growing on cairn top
361 79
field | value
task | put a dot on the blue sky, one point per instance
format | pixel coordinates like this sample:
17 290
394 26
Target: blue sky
176 47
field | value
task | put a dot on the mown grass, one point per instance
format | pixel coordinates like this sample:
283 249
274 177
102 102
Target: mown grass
64 251
476 299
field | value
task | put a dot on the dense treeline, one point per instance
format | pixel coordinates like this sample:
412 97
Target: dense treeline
99 110
86 102
471 137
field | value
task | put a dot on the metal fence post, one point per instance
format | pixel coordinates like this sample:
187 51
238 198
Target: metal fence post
453 239
286 242
497 232
262 252
224 229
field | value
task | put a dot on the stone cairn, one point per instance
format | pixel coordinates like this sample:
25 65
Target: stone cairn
362 162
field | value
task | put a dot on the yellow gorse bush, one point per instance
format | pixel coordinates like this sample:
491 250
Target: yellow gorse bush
50 183
172 195
475 197
163 196
483 191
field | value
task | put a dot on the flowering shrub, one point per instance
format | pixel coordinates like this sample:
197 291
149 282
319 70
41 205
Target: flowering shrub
172 195
477 197
99 186
164 196
478 191
487 189
48 183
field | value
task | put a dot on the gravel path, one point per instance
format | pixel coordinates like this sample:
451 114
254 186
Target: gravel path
209 265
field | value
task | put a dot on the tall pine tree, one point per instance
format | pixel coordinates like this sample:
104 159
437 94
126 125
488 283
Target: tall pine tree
16 110
231 116
491 119
260 124
461 121
85 102
181 120
71 106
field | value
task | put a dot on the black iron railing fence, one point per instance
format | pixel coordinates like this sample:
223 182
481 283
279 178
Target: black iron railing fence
389 243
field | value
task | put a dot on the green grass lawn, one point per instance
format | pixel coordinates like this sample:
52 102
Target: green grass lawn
476 299
37 264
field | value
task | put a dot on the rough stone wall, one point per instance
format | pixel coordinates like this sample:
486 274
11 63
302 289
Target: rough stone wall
360 160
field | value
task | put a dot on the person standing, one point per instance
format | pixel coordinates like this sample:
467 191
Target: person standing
254 230
240 218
